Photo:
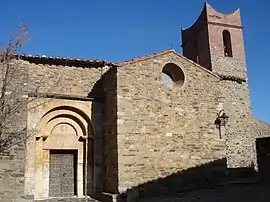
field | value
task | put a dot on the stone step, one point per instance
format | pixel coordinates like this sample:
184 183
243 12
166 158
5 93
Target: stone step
65 199
239 181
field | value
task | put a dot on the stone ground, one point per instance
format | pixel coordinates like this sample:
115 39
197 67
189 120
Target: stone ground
251 192
232 193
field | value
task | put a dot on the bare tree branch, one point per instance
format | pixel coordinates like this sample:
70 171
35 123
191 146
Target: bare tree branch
14 92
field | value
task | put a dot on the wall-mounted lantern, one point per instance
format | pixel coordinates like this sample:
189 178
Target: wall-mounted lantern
221 120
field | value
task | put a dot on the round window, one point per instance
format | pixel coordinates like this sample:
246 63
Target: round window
173 75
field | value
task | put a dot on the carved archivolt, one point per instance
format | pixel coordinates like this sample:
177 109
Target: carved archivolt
59 128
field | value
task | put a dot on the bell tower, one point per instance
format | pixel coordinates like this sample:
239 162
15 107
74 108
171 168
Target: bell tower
215 41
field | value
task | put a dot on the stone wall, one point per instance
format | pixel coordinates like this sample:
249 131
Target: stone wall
76 81
51 80
96 145
12 159
242 128
100 85
143 129
237 106
104 116
227 66
164 130
258 129
110 135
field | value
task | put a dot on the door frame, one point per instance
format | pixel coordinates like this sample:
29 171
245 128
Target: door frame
42 138
74 152
79 172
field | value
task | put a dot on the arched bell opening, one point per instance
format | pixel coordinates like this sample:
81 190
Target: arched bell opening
227 44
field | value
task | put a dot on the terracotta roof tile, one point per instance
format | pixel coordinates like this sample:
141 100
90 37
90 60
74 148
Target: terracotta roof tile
138 59
88 63
65 61
134 60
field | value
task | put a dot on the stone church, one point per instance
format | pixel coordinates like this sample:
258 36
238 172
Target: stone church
105 130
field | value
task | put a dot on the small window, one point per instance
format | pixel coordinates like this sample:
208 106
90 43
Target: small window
227 45
173 75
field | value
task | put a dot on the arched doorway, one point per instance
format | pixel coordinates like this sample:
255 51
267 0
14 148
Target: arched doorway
60 149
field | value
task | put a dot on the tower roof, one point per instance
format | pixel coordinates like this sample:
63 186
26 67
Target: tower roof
214 16
211 15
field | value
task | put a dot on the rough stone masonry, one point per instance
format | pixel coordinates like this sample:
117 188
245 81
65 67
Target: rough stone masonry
133 123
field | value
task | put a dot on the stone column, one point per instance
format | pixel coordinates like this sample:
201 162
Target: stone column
46 172
39 169
29 186
80 173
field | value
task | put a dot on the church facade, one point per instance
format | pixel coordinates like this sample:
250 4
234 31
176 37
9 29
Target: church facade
95 127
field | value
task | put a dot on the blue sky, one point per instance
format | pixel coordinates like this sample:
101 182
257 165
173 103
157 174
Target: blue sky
122 29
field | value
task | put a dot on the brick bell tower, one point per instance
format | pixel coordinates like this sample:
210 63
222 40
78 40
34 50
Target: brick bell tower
215 41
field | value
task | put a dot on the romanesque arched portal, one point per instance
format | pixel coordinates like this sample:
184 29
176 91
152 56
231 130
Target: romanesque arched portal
57 153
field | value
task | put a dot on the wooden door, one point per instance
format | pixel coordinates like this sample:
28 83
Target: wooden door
62 180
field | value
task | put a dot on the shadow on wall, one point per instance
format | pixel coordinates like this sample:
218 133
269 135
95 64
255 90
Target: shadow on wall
263 158
95 144
208 182
104 122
